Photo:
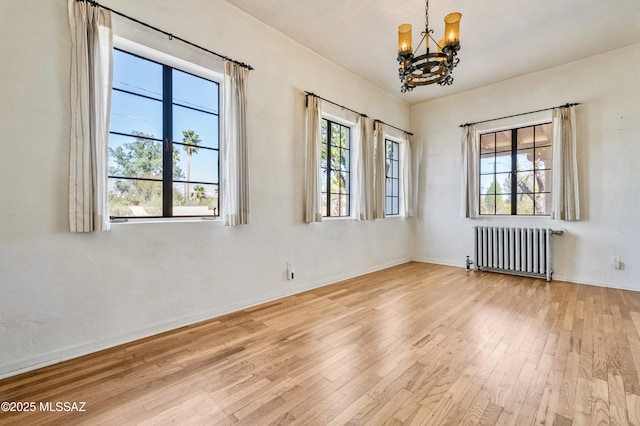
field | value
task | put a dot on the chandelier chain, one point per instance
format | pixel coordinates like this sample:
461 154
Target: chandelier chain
426 17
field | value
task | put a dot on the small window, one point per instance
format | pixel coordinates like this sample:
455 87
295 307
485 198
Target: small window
163 141
392 191
335 165
515 171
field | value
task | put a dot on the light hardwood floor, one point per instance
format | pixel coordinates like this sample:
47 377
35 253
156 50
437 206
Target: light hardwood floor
414 344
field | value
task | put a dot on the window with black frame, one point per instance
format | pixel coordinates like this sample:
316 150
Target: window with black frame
392 190
336 170
515 171
163 141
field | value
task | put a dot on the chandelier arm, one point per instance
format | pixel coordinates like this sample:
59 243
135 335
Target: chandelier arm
420 44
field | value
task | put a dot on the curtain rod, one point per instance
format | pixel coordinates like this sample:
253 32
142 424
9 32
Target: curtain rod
168 34
517 115
355 112
336 104
397 128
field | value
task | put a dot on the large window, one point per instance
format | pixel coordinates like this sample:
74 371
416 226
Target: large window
515 171
164 143
392 191
335 167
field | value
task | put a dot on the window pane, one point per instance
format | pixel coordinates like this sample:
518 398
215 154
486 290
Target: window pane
195 92
324 181
503 183
389 187
525 138
487 143
195 199
503 204
542 181
503 141
544 134
503 162
200 166
133 198
343 178
525 182
133 114
488 204
487 164
334 205
344 159
134 157
324 204
137 75
344 137
344 205
543 204
335 134
324 131
388 205
187 124
525 160
525 204
487 184
544 158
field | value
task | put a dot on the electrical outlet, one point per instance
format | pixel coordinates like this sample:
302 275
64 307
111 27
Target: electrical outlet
615 262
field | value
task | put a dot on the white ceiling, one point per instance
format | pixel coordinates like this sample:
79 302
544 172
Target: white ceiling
500 39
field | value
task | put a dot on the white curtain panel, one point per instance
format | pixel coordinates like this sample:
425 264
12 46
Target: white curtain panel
234 192
91 59
380 172
313 202
470 158
565 203
407 179
365 170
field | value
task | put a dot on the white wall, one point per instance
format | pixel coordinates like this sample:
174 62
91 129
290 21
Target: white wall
66 294
608 88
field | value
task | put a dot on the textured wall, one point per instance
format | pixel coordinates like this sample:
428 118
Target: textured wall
608 130
66 294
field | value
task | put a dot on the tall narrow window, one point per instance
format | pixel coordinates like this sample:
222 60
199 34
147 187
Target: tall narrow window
335 165
392 192
515 171
164 143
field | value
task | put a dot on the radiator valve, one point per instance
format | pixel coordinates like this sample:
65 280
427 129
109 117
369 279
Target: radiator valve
469 263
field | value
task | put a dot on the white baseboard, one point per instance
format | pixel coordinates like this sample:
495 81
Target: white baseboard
58 356
556 277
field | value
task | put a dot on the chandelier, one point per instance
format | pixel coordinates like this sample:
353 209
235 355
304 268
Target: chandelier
431 67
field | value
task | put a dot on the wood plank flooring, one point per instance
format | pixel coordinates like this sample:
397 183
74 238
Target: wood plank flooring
413 344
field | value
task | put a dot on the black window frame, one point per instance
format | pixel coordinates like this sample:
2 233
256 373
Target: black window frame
514 194
167 141
328 167
392 174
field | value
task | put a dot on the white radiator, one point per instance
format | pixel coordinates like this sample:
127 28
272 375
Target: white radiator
520 251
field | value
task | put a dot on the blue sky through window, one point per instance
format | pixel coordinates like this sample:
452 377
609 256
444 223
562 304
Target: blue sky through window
131 113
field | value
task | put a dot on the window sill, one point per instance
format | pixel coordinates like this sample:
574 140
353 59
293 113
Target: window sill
139 220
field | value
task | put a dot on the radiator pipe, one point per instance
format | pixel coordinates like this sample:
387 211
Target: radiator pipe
469 263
